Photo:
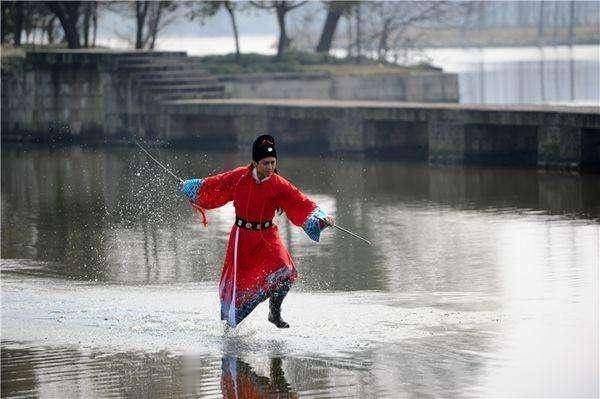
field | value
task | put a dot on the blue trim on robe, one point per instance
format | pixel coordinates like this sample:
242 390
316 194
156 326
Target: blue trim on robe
191 187
313 226
252 298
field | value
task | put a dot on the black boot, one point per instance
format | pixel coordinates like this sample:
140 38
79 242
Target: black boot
275 306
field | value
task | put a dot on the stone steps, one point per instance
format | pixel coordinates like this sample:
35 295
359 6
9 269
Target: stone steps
166 81
187 88
153 80
150 54
158 67
133 64
191 96
146 75
133 59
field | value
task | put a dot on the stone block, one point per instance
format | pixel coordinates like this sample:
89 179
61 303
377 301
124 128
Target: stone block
395 139
301 134
446 142
490 144
590 148
559 147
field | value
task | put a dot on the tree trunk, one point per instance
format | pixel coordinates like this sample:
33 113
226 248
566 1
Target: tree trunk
28 24
19 17
358 35
141 9
68 13
331 22
154 24
383 40
349 33
3 24
283 44
50 30
236 36
95 24
87 11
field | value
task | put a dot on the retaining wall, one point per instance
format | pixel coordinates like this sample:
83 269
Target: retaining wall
422 86
544 136
94 95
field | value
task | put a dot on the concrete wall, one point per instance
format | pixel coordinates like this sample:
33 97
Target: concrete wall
57 95
546 137
77 94
417 87
51 104
96 95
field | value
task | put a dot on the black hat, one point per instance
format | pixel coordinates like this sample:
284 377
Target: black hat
263 146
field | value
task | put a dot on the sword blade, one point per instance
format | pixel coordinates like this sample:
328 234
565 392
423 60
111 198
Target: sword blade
346 231
158 162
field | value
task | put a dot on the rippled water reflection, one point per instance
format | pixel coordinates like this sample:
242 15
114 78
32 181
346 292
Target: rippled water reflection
480 282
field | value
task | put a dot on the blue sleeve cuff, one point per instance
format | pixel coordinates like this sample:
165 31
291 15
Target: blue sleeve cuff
312 226
190 188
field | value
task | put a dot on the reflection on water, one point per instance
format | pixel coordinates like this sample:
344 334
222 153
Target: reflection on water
239 380
111 216
476 276
64 372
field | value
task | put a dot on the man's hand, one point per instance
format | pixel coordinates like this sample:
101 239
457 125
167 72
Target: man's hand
190 188
327 221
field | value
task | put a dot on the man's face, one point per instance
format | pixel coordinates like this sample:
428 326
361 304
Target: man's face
265 167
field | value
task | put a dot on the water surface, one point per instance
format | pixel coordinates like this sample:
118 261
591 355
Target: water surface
480 282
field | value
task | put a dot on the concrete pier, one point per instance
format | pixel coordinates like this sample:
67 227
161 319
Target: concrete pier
106 96
532 136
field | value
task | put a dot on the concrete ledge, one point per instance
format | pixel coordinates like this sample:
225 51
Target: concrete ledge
390 104
531 136
65 57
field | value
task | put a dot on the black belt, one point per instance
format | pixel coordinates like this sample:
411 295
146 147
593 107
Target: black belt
252 225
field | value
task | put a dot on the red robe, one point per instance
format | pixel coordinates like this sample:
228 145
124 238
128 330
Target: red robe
257 262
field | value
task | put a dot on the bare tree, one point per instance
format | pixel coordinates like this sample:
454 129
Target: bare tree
13 17
5 17
87 9
206 9
151 17
391 26
230 7
34 18
335 10
68 13
141 10
50 28
282 8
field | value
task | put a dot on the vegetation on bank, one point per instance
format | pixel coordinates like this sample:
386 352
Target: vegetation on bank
298 61
228 64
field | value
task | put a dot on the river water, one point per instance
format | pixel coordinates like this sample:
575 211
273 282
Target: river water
480 282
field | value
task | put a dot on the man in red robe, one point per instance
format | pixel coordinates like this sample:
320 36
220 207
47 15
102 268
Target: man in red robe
257 263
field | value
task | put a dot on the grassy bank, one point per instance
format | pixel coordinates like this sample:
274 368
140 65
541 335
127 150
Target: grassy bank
293 61
301 62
